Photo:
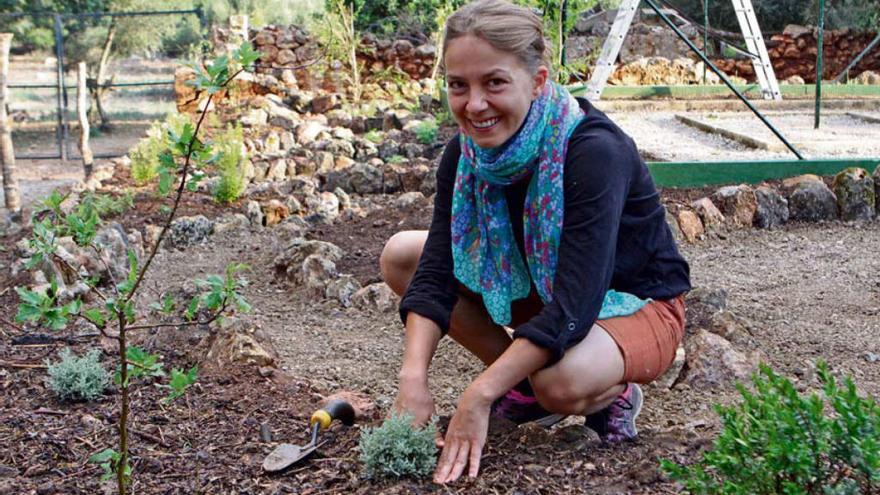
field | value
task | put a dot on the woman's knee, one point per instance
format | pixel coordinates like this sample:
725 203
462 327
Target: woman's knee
399 258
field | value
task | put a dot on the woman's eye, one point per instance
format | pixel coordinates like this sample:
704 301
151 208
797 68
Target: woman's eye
494 83
454 85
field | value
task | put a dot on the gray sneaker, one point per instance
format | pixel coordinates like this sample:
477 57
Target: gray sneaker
617 422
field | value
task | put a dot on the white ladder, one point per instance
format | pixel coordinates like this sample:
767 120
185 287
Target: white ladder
605 65
747 21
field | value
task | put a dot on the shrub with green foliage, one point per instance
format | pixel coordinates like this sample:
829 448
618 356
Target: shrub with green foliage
78 377
426 131
145 155
232 181
777 441
396 449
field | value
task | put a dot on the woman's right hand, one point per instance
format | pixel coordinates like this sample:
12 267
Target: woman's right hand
414 398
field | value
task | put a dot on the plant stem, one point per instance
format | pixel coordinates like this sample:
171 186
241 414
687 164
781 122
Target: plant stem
123 414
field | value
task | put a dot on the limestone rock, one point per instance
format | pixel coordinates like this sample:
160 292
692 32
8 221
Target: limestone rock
308 131
812 201
113 244
186 231
239 342
290 260
274 212
669 377
690 225
277 170
410 200
713 362
254 213
772 208
377 297
324 207
281 116
231 222
342 289
737 203
708 212
673 227
855 193
365 179
315 272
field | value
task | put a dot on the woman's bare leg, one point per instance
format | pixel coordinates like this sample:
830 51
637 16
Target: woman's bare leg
470 324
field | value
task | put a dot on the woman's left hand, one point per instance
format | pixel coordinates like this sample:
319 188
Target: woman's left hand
465 438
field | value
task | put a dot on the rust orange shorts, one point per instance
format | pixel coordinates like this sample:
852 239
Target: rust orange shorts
648 338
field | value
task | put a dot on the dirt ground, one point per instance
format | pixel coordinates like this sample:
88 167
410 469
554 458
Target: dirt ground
810 292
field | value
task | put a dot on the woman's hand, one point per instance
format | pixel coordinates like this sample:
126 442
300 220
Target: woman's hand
465 438
413 397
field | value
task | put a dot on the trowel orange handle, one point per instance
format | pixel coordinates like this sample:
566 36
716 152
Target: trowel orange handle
335 409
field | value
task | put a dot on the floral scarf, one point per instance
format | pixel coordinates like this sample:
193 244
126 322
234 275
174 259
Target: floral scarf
485 254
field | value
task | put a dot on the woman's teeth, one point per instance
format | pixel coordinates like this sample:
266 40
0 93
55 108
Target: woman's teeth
483 124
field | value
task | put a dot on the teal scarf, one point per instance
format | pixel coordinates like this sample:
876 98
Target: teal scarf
485 254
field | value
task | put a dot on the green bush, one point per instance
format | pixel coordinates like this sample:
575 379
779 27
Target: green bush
106 205
396 449
777 441
78 377
426 131
232 181
374 136
145 155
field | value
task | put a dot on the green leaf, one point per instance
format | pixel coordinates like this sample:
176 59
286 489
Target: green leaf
192 308
96 316
28 313
104 456
179 382
31 297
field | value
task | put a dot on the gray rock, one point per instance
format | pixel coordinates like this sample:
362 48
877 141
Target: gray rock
308 132
272 143
315 272
713 362
289 261
231 222
256 117
410 200
772 208
708 212
673 227
254 213
737 203
876 177
281 116
340 147
377 297
261 169
342 289
812 201
702 303
411 150
277 170
186 231
388 148
325 206
856 199
364 179
288 141
113 245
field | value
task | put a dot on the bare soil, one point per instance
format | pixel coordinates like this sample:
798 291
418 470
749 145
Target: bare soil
810 291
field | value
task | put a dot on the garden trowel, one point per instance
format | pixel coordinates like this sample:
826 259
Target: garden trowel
285 455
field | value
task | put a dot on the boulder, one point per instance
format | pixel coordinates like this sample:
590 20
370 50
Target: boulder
708 212
342 289
281 116
772 208
254 213
690 225
812 201
323 207
737 203
364 179
113 244
712 361
274 212
701 303
856 200
277 170
238 341
315 272
186 231
670 377
231 222
410 200
876 177
289 262
673 227
377 297
308 132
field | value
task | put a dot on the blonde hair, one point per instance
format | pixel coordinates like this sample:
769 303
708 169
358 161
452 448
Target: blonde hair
507 27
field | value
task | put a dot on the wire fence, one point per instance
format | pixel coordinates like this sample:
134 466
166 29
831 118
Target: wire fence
135 90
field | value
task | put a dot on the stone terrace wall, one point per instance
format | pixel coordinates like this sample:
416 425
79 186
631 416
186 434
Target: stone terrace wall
794 54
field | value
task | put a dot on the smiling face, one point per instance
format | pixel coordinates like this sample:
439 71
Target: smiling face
490 91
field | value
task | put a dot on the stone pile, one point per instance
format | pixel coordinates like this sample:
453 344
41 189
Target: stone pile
793 53
414 58
661 71
851 198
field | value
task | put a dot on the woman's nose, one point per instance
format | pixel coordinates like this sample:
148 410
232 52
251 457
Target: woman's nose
476 102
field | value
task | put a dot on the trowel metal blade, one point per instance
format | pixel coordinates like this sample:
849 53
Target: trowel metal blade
285 455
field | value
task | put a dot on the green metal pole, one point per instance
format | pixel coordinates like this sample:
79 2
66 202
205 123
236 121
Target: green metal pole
705 35
820 48
723 77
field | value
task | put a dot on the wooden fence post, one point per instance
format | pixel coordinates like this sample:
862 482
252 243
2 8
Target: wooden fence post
82 95
7 153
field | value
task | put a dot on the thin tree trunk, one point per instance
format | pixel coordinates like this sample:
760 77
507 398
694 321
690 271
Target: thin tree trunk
99 91
81 106
7 152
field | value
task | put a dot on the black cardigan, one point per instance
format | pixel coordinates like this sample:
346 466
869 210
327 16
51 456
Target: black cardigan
614 235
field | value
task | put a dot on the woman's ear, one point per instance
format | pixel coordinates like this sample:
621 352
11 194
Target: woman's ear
540 79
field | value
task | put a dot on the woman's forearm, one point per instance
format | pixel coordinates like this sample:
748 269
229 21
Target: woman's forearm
420 343
521 359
